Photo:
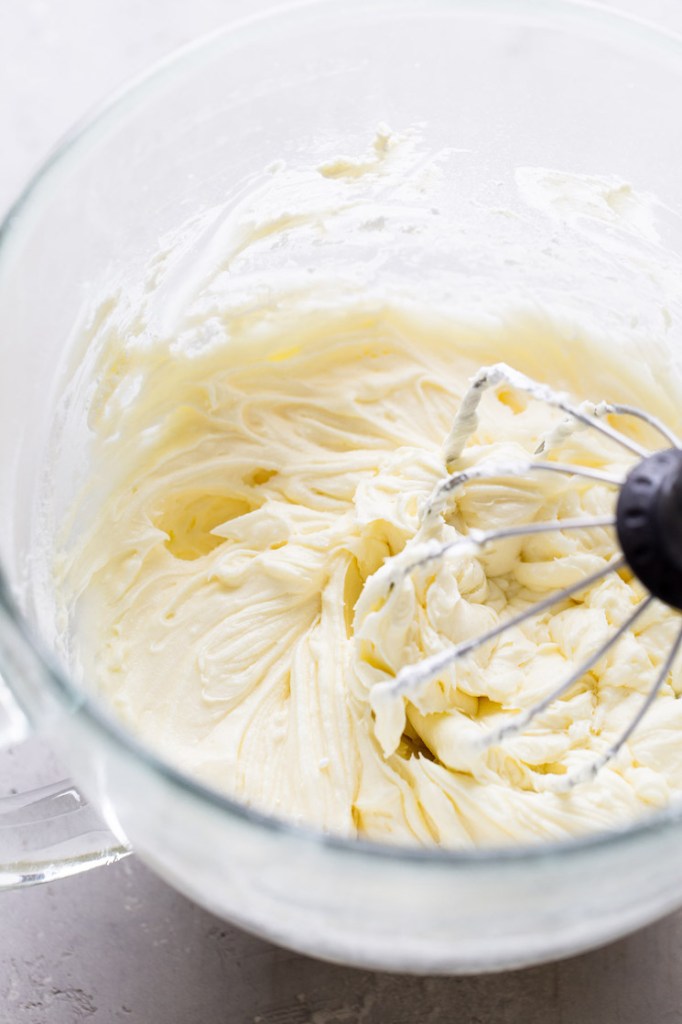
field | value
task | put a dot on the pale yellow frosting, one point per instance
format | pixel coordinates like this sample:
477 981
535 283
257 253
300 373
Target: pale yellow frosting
227 594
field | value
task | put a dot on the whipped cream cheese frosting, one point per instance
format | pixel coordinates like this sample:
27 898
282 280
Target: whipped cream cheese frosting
257 477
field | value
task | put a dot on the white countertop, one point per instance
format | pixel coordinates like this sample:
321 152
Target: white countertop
117 944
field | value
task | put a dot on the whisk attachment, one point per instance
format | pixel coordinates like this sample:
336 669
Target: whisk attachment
647 539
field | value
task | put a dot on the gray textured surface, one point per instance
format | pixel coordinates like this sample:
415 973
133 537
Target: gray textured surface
118 944
121 946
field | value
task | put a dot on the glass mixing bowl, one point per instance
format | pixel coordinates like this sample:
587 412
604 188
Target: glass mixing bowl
492 86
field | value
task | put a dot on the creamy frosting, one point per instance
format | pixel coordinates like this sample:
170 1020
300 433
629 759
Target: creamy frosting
234 573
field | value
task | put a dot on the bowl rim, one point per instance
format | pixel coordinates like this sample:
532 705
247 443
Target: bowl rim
587 14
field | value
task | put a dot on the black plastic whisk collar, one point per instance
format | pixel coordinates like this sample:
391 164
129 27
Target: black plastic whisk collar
649 524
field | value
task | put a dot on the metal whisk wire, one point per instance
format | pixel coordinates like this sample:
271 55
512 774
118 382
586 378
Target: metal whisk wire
642 490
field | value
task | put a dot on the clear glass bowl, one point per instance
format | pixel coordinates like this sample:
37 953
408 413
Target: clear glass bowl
503 84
